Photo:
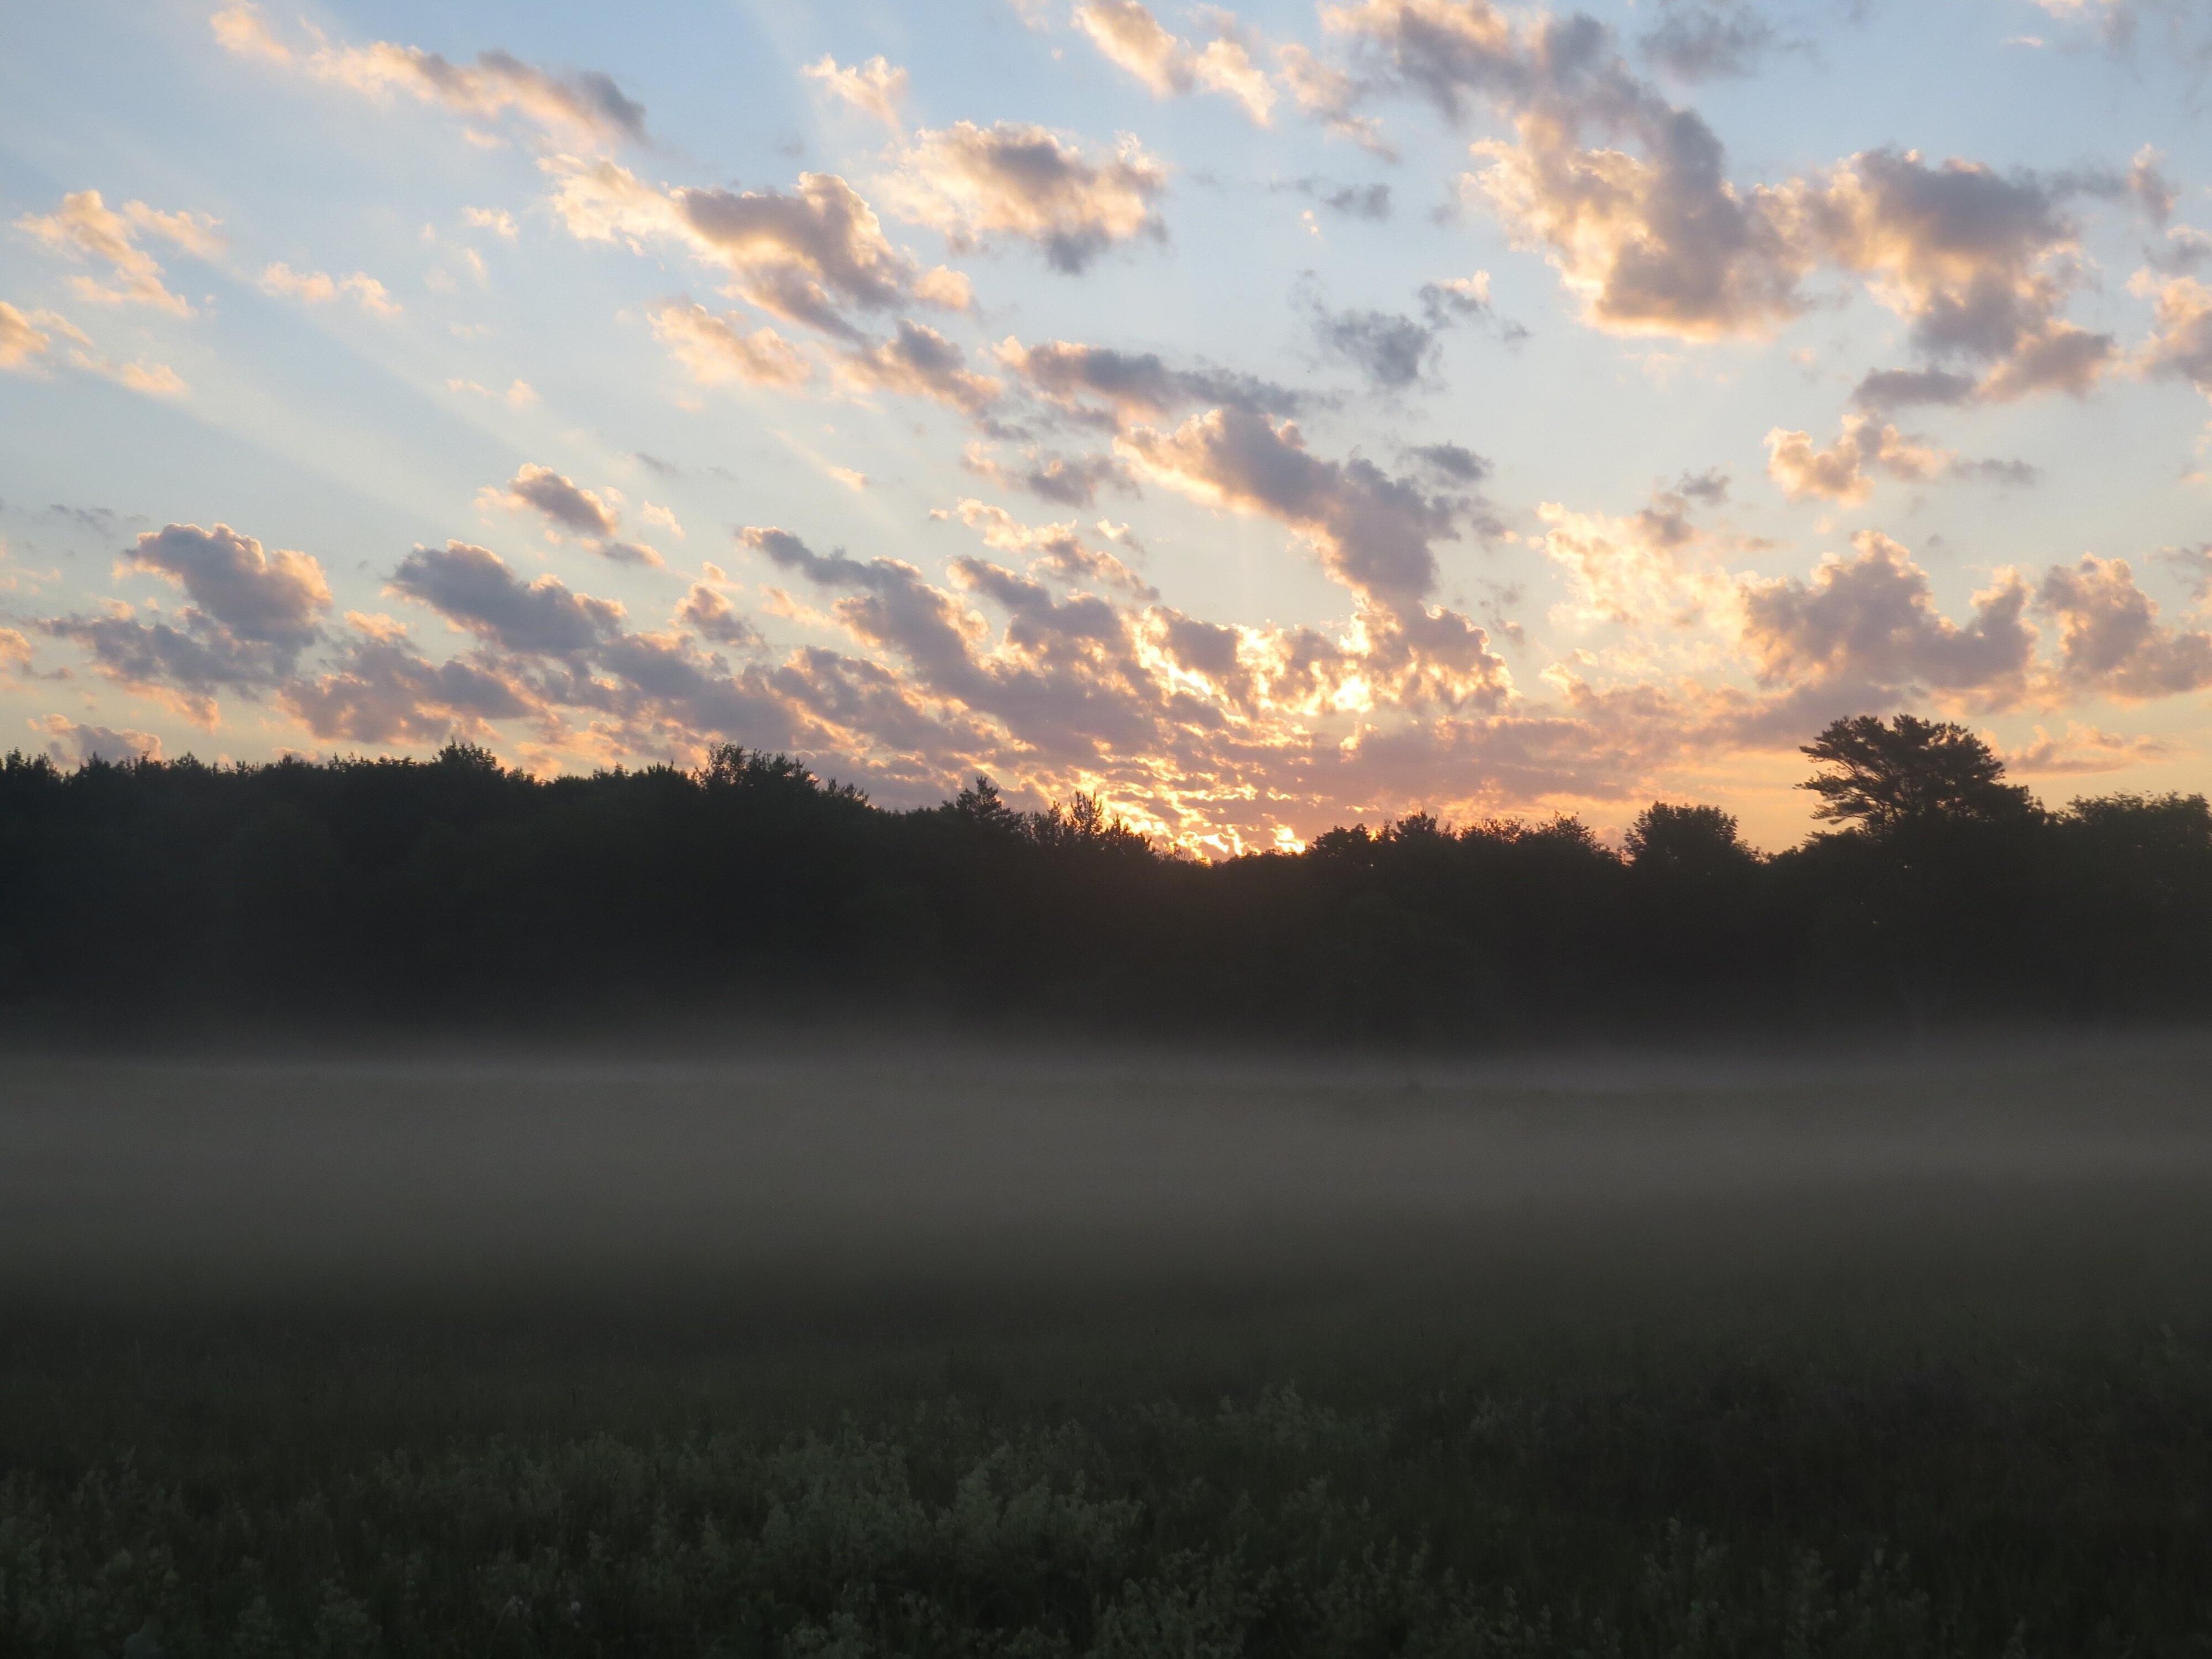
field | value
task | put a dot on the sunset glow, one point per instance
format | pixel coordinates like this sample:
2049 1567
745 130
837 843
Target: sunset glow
1262 420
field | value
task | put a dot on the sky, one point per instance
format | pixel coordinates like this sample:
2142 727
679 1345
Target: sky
1261 419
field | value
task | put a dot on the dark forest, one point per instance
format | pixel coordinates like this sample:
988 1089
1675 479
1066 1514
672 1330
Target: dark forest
453 891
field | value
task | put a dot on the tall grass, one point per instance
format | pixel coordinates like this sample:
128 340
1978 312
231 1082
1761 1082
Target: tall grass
265 1489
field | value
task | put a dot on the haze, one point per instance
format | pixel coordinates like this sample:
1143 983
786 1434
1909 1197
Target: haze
947 1173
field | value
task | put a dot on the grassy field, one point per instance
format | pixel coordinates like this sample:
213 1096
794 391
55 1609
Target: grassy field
920 1351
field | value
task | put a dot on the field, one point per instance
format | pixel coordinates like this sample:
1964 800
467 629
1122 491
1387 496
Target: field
915 1350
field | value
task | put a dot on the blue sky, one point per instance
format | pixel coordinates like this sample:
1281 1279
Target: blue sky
1261 419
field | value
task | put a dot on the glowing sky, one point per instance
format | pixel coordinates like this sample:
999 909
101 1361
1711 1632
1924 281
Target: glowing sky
1264 419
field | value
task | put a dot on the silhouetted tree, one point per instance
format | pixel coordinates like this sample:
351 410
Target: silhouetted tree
981 806
1687 841
1084 823
455 889
1884 778
468 758
731 766
2132 899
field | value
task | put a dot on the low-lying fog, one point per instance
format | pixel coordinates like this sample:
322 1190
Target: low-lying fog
927 1167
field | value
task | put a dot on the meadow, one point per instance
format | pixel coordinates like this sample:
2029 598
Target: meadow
841 1347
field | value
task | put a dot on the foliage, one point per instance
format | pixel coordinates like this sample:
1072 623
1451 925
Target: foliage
1635 1501
454 891
1687 841
1910 773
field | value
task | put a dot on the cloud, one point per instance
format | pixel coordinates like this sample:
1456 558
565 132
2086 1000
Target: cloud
565 505
71 743
84 226
1979 264
519 394
875 89
920 362
380 690
714 352
1066 481
1592 748
1840 473
1326 94
26 340
184 667
251 612
1216 730
1059 551
1870 621
811 256
1900 388
2082 750
1040 648
1454 298
472 588
709 614
1658 239
2110 642
560 500
2154 192
1130 36
585 106
2191 565
2180 346
1708 43
1374 533
2186 249
1453 463
241 30
945 288
2119 23
1114 386
542 653
20 343
1370 202
2010 475
1656 244
662 693
1394 352
1708 487
271 597
319 288
1650 570
894 608
1440 49
974 185
148 379
1066 682
2078 10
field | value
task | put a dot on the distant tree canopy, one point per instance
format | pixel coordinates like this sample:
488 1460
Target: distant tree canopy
455 891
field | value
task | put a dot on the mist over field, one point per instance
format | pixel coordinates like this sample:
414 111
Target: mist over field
860 1167
899 1346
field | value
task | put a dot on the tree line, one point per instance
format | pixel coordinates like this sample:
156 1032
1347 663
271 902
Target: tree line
456 892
